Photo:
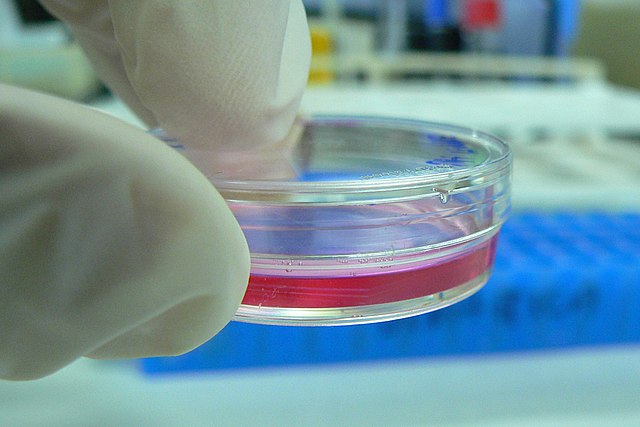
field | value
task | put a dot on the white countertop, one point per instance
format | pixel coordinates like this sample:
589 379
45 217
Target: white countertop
564 152
589 387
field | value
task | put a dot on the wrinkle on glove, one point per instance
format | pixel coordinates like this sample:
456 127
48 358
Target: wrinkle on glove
218 74
111 244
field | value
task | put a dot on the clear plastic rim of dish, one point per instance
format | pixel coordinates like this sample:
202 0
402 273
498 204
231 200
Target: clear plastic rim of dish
403 183
383 219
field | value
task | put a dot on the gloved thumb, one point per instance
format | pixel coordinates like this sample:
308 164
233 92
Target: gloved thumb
111 244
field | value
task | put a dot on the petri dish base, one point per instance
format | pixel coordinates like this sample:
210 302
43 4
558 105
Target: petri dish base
352 297
359 314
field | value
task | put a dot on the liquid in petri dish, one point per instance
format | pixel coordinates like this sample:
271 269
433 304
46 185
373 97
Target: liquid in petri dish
284 291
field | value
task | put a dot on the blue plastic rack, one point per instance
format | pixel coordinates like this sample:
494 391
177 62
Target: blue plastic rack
560 280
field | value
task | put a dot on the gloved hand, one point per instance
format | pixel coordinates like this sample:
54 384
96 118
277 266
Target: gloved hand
111 244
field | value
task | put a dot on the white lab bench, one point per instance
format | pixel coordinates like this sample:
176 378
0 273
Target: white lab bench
568 143
561 137
574 145
593 387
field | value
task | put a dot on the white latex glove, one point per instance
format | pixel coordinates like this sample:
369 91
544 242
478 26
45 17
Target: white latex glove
111 244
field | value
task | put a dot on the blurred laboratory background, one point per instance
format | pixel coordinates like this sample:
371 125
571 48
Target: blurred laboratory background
554 336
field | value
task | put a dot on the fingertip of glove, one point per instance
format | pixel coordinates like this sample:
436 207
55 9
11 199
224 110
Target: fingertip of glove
158 262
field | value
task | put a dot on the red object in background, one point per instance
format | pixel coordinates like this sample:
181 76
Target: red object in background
481 14
355 291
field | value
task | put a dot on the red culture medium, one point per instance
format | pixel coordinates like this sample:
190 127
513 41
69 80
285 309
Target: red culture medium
368 289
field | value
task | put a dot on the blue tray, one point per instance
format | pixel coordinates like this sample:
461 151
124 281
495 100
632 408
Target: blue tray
560 280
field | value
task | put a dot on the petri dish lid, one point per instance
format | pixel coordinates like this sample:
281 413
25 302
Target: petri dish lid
346 159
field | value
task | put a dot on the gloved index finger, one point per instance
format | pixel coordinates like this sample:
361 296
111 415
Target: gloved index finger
91 24
217 75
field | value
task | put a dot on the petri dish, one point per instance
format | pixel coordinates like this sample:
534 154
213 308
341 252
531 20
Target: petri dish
365 219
